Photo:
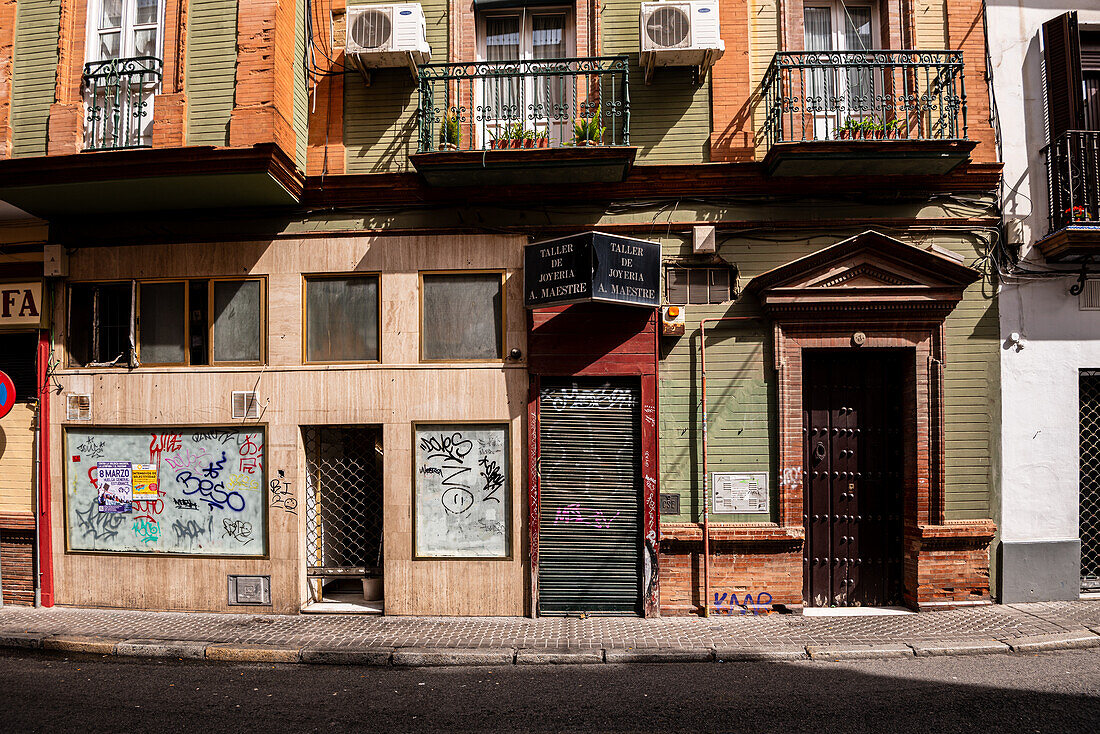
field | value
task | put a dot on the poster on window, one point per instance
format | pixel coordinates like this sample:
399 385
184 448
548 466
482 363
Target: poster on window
461 486
114 486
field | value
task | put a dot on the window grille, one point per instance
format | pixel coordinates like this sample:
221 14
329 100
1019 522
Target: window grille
1089 517
343 500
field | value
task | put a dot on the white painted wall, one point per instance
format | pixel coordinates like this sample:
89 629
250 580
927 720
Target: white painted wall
1039 462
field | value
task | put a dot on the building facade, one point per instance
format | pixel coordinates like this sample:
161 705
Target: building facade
328 326
1044 59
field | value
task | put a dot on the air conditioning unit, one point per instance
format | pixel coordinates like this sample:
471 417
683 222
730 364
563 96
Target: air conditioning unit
680 34
386 36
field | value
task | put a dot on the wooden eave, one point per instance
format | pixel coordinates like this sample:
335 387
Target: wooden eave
49 186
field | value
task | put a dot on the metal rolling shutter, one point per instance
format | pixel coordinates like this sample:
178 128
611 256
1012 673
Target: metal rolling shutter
590 513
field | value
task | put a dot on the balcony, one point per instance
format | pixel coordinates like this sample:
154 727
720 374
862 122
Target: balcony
860 113
119 96
1073 181
546 121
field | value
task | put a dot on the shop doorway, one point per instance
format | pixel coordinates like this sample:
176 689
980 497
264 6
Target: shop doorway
344 517
590 512
1088 517
854 481
18 359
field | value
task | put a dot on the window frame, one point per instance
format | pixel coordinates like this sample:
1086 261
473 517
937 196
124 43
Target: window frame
186 321
837 16
503 316
306 277
135 322
210 319
125 30
526 31
730 284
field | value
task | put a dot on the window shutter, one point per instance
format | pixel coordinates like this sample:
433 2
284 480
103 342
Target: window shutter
677 285
1062 55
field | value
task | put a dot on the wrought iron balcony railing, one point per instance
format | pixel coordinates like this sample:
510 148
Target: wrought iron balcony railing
545 103
119 96
1073 179
864 95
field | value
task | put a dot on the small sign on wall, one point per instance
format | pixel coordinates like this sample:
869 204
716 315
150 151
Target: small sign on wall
740 493
21 304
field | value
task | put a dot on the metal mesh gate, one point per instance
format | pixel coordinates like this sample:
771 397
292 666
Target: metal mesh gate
1089 517
343 500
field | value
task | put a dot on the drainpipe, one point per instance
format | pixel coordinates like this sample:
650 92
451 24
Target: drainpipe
706 499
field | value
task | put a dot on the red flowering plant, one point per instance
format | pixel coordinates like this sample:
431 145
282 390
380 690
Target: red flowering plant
1076 213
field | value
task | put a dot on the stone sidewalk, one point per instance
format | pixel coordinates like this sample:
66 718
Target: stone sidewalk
376 640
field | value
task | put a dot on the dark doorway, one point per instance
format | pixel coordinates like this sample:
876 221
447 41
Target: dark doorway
854 463
590 520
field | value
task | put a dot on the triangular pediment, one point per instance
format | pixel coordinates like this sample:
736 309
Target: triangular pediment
863 271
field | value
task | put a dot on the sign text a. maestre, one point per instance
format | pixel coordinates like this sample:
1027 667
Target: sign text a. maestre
592 266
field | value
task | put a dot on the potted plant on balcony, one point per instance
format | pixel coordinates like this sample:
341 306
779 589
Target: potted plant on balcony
892 129
448 132
1076 214
851 129
528 138
542 138
588 130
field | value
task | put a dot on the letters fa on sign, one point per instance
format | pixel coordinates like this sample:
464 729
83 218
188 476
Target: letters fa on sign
20 304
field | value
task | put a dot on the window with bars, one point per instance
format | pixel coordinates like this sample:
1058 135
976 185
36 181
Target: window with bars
688 285
1089 510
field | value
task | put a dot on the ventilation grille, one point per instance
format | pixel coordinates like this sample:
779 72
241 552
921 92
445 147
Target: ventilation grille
1089 300
372 30
78 407
249 590
245 405
668 27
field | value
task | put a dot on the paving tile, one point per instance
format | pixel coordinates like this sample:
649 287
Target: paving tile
1062 641
857 652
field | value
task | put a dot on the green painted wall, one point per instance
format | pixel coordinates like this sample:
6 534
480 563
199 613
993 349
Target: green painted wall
37 25
669 118
742 395
211 70
380 120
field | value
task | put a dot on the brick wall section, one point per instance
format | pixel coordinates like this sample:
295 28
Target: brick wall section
730 100
735 568
66 124
965 33
264 102
170 106
325 154
7 52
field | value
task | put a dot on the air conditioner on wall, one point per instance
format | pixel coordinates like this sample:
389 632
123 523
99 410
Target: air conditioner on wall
680 34
386 36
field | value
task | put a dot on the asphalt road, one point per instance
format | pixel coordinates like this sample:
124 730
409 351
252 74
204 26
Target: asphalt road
1050 692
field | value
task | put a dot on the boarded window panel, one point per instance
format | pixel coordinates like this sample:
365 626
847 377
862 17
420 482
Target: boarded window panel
677 285
236 321
342 319
462 316
161 322
697 285
719 285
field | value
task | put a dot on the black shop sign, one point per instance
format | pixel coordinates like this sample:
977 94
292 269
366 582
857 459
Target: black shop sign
592 267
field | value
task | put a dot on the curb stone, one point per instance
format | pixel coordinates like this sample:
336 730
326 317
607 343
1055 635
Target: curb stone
243 653
1063 641
747 654
660 655
561 656
27 640
162 649
414 657
857 652
372 656
81 643
942 648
